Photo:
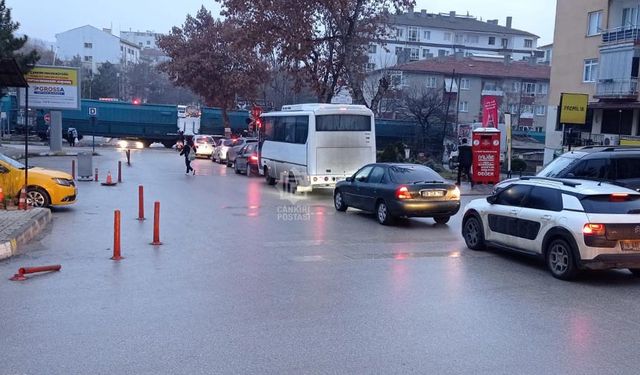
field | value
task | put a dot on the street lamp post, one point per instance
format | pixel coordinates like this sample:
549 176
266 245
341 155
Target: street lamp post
619 124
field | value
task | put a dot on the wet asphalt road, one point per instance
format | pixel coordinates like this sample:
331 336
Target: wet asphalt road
249 281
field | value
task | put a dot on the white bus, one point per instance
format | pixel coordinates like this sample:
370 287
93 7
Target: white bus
316 145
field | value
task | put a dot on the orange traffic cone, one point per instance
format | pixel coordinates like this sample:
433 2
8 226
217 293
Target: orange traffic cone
2 198
22 203
109 181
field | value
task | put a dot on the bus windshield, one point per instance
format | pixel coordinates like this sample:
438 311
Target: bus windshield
343 123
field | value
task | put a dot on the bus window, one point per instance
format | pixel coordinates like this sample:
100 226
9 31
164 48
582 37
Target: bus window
278 129
267 125
345 123
289 129
302 129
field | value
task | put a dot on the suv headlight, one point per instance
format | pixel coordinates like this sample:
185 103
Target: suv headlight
63 181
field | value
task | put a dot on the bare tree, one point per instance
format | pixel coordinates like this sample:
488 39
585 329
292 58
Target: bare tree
428 108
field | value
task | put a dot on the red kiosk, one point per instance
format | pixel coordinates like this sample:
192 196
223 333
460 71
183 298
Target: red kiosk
486 155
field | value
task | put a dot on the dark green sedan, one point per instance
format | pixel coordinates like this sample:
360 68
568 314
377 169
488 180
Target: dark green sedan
398 190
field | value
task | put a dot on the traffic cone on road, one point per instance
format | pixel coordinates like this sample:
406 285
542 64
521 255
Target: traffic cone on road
2 198
22 203
109 181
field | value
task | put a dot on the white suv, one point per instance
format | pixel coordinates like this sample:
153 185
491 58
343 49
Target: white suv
573 224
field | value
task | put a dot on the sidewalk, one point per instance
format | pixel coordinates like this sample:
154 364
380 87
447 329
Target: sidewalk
477 190
19 227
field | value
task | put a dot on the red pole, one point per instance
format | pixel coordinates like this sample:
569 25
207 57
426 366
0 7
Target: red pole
140 202
95 178
27 270
119 171
116 236
156 224
73 169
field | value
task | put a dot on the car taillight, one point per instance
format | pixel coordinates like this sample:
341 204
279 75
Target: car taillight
403 193
253 157
594 229
455 194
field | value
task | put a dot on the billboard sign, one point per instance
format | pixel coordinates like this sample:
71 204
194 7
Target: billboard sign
53 87
573 108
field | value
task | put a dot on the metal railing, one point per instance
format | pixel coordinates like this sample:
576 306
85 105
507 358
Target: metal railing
622 34
617 88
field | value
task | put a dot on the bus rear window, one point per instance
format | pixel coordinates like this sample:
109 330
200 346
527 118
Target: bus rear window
611 204
343 123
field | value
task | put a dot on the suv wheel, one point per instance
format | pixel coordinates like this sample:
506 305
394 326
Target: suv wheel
560 259
473 233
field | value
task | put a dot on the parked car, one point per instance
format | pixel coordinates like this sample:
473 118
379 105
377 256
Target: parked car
232 153
398 190
247 160
571 224
220 152
46 187
610 163
204 145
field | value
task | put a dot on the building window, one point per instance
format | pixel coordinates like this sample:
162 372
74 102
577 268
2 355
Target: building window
515 86
373 48
370 66
148 42
399 33
528 43
527 108
88 45
396 78
593 28
529 87
426 35
425 53
492 40
88 58
473 39
490 86
412 34
505 43
542 88
629 17
414 54
447 37
463 107
590 72
398 51
140 44
442 52
465 84
513 108
431 82
540 110
459 38
121 48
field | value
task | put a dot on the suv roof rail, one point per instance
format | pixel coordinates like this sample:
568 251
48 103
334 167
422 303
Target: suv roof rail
563 182
611 148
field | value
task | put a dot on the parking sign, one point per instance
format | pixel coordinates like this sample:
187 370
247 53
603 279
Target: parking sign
93 111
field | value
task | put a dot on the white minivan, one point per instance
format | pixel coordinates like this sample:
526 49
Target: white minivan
316 145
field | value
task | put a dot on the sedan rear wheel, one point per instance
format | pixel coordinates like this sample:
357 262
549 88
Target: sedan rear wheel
382 214
560 260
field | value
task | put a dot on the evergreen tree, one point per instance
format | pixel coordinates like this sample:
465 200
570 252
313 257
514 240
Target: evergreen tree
10 44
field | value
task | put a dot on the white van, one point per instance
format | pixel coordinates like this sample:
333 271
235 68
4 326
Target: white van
316 145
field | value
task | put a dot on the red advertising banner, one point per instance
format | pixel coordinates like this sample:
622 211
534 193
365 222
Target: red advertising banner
486 156
489 112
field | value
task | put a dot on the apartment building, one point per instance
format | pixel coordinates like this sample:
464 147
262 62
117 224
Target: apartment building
520 88
422 35
143 39
596 52
95 46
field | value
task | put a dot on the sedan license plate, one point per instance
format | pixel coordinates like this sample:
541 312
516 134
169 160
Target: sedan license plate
432 193
630 245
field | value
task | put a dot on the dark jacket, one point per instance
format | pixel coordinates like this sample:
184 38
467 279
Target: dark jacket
465 156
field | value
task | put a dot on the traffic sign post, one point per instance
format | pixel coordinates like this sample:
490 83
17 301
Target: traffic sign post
93 114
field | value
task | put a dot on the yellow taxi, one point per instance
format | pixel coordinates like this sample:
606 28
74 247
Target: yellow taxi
46 187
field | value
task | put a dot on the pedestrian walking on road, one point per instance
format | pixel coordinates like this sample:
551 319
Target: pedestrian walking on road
189 153
465 159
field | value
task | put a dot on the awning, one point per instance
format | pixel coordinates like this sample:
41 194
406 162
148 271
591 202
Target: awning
614 105
11 75
450 85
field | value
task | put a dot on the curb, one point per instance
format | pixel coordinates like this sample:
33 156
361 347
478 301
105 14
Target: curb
25 234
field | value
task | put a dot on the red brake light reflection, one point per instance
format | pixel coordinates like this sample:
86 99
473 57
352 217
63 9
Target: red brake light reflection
594 229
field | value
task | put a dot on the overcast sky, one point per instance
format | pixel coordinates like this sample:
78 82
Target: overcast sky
42 19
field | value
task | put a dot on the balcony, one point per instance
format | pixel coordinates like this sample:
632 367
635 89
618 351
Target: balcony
492 92
617 88
618 35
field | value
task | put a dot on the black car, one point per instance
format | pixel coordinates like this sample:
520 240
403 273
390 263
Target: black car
247 160
398 190
617 164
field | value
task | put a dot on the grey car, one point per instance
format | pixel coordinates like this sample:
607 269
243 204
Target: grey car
232 153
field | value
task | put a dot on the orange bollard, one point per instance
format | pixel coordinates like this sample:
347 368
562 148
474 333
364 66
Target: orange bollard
116 236
22 202
73 169
27 270
140 203
156 224
119 171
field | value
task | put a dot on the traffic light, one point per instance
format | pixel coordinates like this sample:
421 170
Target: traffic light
258 124
136 101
